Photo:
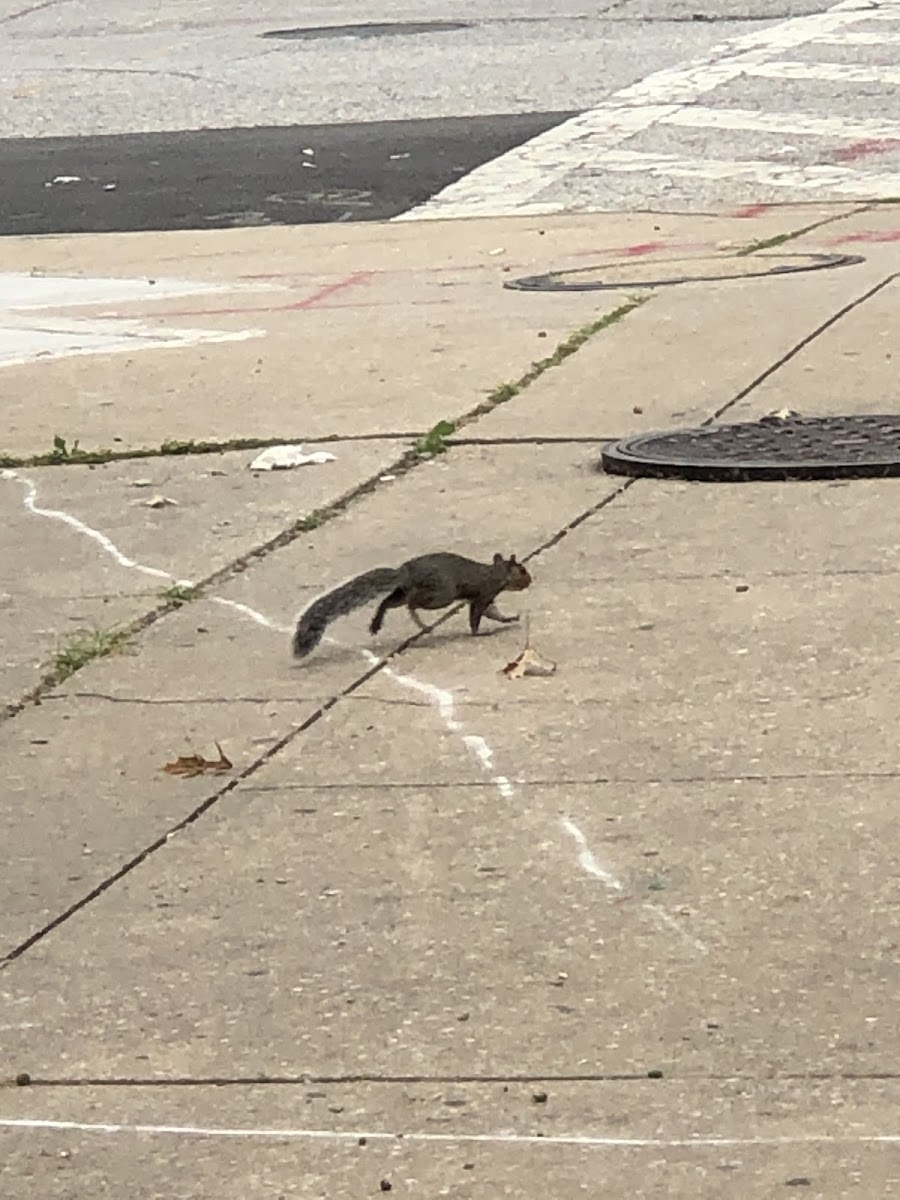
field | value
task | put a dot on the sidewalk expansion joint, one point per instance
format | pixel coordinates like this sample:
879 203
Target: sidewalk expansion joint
652 1077
801 345
64 455
780 239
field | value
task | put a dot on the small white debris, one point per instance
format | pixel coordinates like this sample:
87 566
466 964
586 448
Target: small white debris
499 250
780 414
387 478
158 502
309 152
282 458
394 157
143 483
63 179
109 187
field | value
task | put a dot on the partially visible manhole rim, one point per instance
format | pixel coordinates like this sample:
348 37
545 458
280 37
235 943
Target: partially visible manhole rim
847 447
367 29
556 281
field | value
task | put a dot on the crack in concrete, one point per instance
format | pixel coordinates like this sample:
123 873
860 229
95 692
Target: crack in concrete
377 700
184 449
585 781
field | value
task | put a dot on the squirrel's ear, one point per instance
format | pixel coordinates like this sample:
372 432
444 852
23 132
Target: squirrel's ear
512 560
498 558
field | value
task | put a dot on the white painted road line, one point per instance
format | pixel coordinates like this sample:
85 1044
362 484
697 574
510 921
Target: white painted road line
776 122
513 182
840 180
828 72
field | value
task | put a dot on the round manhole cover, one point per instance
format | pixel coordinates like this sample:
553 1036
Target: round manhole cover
664 272
773 448
369 29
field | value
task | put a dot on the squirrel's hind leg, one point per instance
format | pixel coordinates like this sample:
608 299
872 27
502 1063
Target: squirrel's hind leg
415 616
395 599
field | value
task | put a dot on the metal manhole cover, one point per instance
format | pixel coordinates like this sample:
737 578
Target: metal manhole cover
773 448
664 272
368 30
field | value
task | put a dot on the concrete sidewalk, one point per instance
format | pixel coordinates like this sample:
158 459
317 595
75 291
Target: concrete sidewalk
625 929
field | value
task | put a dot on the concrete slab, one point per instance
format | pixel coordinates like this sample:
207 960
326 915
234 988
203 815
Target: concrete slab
420 931
83 789
687 352
96 556
292 377
854 370
852 367
664 530
423 1139
33 631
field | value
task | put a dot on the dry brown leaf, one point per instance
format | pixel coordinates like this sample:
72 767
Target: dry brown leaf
529 662
190 765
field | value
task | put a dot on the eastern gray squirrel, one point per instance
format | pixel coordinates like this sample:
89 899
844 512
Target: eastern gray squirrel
429 581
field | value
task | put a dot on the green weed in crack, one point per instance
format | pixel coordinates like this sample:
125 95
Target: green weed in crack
435 441
179 594
82 647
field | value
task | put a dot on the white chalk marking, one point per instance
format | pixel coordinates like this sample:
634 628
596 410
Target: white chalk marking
109 547
826 72
513 181
105 543
24 338
843 181
482 751
476 745
586 1140
771 122
586 858
253 613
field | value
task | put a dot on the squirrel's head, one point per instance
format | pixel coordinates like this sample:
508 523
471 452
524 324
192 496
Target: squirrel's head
518 577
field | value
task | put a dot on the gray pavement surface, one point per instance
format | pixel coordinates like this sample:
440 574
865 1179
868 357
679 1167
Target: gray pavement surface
627 928
73 70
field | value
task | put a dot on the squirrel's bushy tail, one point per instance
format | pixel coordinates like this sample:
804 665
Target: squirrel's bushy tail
339 603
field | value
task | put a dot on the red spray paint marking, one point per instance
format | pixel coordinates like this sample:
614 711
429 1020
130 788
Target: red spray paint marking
867 235
752 210
865 148
312 301
639 248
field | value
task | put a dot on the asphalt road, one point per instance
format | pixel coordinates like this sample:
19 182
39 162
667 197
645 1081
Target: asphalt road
219 178
176 115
